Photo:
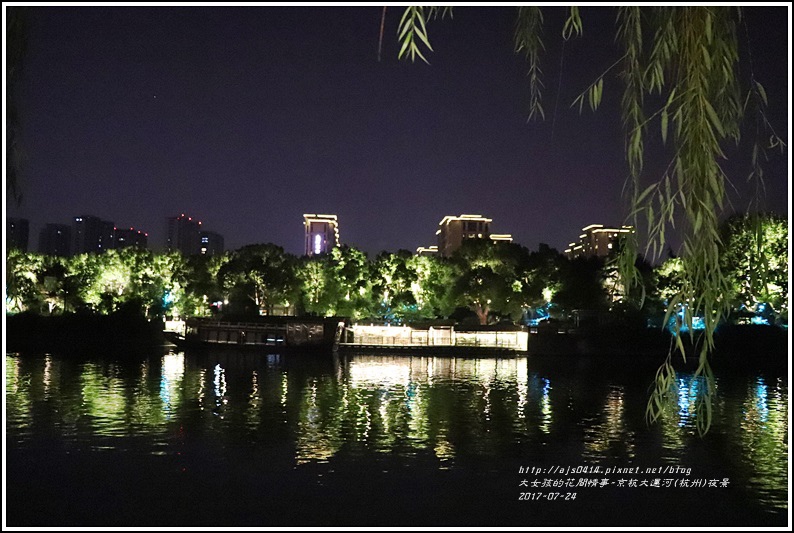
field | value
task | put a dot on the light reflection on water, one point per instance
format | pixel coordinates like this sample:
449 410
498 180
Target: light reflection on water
448 409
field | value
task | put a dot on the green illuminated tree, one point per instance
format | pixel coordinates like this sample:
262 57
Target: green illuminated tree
22 278
319 290
755 258
262 275
393 279
352 274
492 278
433 278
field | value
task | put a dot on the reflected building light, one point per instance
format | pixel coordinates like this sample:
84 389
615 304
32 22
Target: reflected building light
254 402
417 412
174 366
545 406
165 396
487 410
505 369
486 370
368 422
200 394
47 375
383 412
284 389
687 395
761 399
386 375
313 416
522 384
431 369
220 385
173 370
254 386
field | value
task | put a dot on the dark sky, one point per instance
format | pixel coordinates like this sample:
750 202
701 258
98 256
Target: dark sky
248 117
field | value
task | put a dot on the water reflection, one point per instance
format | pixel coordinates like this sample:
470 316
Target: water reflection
545 406
610 436
18 403
764 435
173 370
104 402
445 410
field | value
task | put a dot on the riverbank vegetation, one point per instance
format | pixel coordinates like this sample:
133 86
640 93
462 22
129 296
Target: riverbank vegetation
485 282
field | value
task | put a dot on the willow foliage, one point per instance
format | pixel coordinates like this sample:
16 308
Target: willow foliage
688 58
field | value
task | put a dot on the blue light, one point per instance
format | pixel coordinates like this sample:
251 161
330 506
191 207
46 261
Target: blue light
698 323
760 399
687 398
537 315
168 299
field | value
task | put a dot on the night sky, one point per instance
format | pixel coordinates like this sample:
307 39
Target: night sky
245 118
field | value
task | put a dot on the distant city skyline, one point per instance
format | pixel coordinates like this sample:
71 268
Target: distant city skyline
138 113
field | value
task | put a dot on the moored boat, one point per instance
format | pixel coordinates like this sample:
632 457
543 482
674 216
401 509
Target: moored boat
269 334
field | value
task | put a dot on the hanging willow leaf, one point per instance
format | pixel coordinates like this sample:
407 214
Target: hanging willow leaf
689 56
412 24
573 24
761 92
529 26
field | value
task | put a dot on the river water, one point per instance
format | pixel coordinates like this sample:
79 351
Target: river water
183 439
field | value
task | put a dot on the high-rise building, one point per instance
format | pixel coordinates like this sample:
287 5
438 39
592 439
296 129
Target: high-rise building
55 239
130 237
597 241
452 231
92 234
211 243
17 233
321 233
183 234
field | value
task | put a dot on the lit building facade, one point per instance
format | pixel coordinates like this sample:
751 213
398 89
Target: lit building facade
321 233
427 250
131 237
183 235
91 234
453 230
55 239
597 241
17 233
211 243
